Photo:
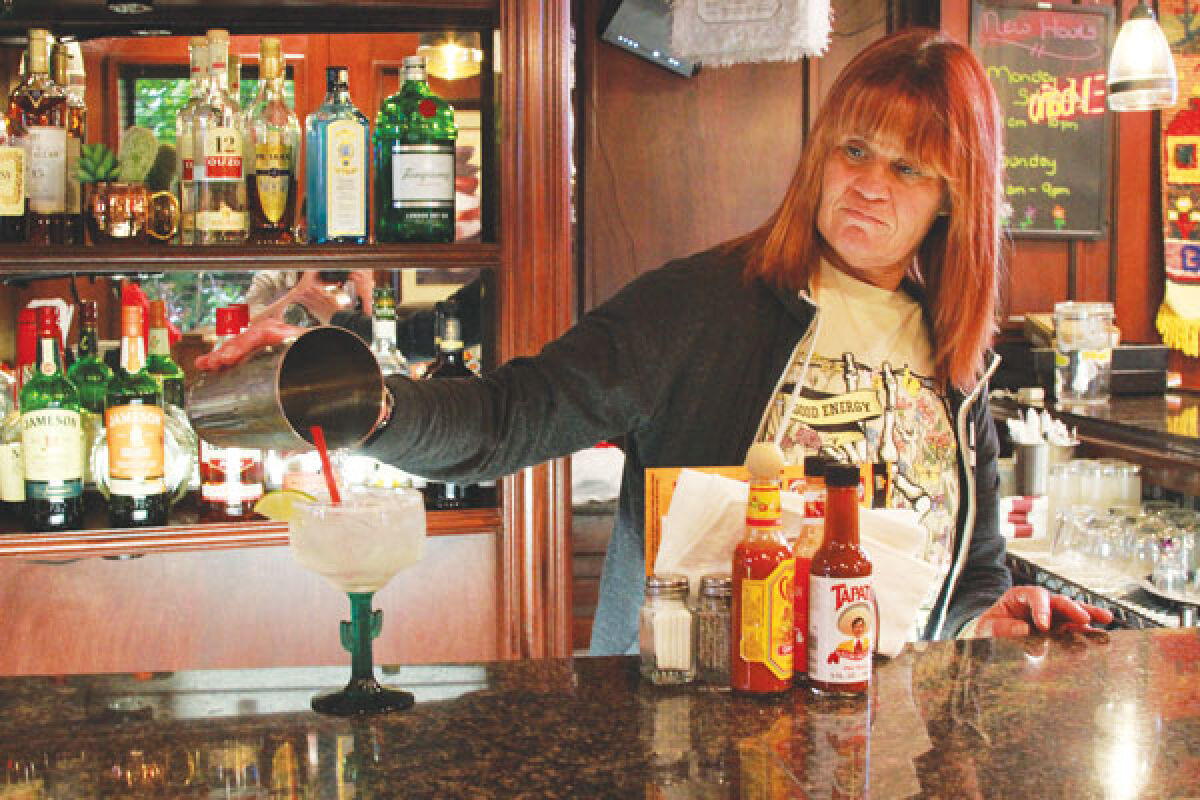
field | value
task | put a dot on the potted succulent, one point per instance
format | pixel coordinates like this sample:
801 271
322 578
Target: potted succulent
126 194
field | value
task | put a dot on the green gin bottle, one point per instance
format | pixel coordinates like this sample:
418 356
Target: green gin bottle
162 368
414 162
51 436
134 423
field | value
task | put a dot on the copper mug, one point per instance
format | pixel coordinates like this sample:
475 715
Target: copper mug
130 212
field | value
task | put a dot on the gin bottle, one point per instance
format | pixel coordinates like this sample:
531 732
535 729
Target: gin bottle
51 436
383 333
274 139
185 128
336 175
414 162
38 110
217 141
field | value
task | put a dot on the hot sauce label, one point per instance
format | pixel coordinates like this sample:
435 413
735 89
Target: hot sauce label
766 634
841 635
135 449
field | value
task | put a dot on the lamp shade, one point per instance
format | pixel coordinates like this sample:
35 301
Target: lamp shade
450 55
1141 71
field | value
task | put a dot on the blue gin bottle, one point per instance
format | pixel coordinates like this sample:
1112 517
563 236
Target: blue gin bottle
336 141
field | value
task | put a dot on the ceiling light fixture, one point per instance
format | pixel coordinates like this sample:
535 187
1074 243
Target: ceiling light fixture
1141 70
451 55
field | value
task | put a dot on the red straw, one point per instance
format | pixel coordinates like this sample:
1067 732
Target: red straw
319 440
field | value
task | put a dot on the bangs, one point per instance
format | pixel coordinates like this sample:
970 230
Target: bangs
892 109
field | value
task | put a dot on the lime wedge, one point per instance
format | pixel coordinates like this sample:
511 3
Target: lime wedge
280 505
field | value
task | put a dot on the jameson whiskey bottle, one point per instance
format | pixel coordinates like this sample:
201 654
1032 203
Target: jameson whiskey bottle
763 570
274 136
72 229
51 437
38 110
185 129
162 368
449 364
336 173
12 183
414 162
12 464
383 333
217 148
90 376
133 417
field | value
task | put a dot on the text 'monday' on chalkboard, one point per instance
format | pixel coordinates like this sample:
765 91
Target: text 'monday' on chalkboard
1048 66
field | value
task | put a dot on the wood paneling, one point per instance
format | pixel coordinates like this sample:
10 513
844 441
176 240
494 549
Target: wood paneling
239 608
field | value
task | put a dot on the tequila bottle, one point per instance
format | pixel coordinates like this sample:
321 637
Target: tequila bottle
185 130
275 141
38 110
51 436
217 147
162 368
336 175
383 333
134 423
414 162
60 61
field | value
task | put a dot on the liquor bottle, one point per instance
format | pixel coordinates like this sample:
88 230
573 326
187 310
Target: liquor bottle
449 364
763 571
26 344
841 607
90 375
336 138
159 363
809 538
217 146
51 436
12 465
12 183
383 333
231 478
134 421
274 135
414 162
38 108
185 130
72 230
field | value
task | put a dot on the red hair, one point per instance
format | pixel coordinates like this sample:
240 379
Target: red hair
922 89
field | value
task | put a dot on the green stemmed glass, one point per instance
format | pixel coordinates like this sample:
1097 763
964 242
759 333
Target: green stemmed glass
358 545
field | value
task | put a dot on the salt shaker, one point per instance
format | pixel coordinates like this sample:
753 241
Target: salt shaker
713 621
667 631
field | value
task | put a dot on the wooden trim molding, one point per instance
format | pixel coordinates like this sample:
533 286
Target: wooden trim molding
536 295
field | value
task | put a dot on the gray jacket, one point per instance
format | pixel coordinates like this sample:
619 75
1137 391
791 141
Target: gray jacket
681 363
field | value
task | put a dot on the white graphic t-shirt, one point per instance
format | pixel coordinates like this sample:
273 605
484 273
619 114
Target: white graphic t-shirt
869 398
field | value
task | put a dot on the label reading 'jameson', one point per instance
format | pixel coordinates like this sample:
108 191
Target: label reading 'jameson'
840 629
52 448
423 175
135 450
766 634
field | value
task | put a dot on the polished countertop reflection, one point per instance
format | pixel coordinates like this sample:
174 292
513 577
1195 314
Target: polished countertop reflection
1113 715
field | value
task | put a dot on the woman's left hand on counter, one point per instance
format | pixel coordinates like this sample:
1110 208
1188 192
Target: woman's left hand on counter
1025 609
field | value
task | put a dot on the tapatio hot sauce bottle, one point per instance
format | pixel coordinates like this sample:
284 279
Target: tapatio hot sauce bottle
841 607
763 572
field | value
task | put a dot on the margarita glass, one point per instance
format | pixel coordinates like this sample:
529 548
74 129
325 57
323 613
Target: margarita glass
358 545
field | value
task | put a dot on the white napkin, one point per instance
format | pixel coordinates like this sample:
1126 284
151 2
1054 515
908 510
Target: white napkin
720 33
706 520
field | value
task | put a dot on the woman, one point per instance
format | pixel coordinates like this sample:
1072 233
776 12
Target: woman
855 321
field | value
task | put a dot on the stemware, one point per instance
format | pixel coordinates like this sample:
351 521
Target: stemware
358 545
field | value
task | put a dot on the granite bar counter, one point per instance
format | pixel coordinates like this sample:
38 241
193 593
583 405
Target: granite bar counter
1106 715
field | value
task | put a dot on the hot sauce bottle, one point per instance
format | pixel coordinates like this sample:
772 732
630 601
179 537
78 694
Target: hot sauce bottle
763 573
811 535
841 606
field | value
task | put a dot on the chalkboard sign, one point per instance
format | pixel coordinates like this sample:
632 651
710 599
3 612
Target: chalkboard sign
1048 65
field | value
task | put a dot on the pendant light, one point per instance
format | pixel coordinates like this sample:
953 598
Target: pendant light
451 55
1141 71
